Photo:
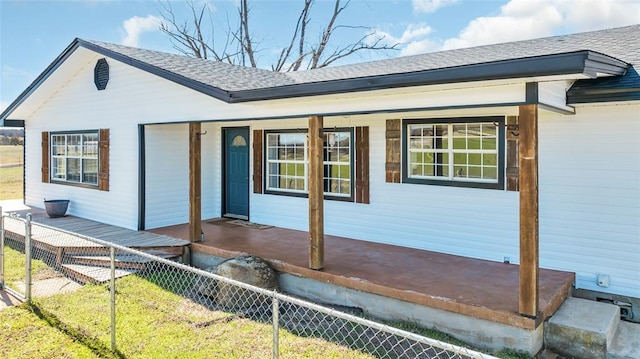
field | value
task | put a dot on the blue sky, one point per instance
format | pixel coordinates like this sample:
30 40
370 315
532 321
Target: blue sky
33 33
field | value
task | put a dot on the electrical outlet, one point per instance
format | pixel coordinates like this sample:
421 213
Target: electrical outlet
602 280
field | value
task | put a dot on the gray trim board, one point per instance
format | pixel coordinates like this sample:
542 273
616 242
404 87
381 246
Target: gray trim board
531 93
142 178
346 113
578 62
500 120
24 173
12 123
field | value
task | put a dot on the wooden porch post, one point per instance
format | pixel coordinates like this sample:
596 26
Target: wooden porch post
316 193
195 178
528 183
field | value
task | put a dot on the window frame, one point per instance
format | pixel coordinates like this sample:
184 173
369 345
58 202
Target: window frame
470 183
55 180
305 194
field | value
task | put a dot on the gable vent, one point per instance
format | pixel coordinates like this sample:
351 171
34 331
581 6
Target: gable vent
101 74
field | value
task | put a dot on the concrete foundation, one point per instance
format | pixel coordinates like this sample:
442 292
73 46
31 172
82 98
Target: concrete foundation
477 332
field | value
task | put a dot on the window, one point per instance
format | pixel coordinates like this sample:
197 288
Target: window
287 161
460 152
74 157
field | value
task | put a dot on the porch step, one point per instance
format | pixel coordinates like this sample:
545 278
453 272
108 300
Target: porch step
93 274
130 261
626 342
582 329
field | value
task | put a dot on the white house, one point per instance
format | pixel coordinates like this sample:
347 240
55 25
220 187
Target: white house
418 151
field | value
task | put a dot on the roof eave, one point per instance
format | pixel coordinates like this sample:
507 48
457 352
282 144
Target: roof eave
168 75
587 63
5 120
4 116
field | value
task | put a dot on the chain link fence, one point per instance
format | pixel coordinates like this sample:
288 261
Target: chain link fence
132 303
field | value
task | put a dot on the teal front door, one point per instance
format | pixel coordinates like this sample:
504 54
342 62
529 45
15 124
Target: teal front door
236 172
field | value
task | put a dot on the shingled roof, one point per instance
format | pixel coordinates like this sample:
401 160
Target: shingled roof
611 52
538 57
214 73
620 43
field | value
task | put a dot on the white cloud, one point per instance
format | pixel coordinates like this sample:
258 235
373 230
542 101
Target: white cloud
412 32
137 25
414 39
526 19
600 14
519 20
430 6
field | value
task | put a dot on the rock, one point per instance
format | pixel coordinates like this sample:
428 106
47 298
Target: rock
247 269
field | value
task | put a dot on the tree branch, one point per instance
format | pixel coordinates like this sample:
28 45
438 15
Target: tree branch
246 41
360 45
187 41
326 34
300 28
239 47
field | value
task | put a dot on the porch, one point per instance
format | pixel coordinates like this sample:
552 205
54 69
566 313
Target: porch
63 244
475 288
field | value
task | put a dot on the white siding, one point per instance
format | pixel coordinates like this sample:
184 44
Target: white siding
167 175
211 170
167 182
589 172
471 222
167 170
132 96
589 201
69 101
590 195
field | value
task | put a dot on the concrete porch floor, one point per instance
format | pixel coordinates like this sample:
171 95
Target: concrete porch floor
471 287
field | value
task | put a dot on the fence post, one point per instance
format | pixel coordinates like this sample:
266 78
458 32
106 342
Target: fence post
1 249
276 327
112 254
27 254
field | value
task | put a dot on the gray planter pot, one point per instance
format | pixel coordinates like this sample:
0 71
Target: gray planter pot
56 207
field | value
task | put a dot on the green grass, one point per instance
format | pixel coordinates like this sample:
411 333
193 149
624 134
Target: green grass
152 322
11 154
24 336
14 267
11 182
11 177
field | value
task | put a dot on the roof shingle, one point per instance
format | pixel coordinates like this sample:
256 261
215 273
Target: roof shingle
621 43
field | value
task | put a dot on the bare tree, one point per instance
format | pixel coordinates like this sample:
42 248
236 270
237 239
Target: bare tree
240 47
